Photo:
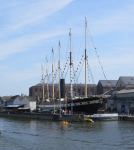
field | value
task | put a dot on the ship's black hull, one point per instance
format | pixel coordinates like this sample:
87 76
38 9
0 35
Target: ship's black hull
85 105
88 109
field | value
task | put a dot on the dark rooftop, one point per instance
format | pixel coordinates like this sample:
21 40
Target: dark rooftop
91 85
108 82
127 79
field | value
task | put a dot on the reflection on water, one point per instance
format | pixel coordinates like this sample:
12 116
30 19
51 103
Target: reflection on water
41 134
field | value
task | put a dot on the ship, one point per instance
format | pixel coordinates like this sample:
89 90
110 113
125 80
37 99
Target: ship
86 105
89 105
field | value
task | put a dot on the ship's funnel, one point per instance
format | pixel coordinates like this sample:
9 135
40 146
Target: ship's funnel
62 88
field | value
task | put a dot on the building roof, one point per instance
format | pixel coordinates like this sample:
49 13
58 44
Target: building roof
12 98
14 106
21 98
7 97
124 91
127 79
92 85
30 98
108 82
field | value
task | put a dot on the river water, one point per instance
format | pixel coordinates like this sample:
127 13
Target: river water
25 134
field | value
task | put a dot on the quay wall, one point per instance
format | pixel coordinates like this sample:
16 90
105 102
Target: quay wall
55 117
129 118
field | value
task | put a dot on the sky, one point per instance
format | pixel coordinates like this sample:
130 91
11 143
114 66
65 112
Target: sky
29 29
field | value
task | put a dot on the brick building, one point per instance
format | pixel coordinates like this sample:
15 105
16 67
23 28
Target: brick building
78 90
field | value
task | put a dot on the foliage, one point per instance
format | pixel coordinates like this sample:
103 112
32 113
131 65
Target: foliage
1 100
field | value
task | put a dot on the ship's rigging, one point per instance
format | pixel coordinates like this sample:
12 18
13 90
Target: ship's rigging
75 72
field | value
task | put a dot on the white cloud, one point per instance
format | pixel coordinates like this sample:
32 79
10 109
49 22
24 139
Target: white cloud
12 75
23 43
31 13
23 15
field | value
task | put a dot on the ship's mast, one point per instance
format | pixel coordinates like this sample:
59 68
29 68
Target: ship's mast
53 78
71 88
47 79
59 79
42 84
85 57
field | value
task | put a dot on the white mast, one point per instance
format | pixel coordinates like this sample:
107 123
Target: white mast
42 84
59 79
85 57
53 78
71 88
47 79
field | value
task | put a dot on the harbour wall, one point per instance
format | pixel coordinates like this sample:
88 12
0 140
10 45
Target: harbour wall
126 117
69 118
55 117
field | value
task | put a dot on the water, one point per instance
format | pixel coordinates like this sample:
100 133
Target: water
25 134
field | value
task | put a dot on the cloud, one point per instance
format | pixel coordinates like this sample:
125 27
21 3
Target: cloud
13 75
23 43
22 16
28 13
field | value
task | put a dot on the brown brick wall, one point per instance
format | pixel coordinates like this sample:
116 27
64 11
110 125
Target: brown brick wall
77 90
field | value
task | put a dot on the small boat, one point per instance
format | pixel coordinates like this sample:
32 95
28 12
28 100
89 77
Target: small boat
64 122
104 117
89 120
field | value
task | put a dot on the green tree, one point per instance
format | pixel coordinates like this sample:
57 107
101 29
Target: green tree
1 100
